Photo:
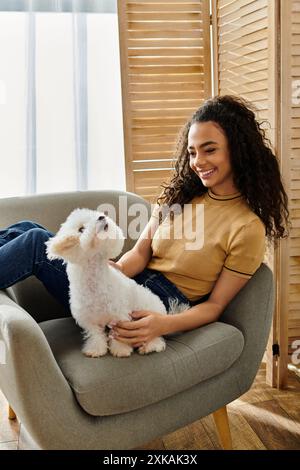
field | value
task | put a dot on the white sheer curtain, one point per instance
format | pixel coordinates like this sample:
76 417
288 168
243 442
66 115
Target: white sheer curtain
60 97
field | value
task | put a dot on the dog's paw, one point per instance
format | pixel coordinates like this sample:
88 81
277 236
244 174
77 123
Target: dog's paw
119 349
94 353
94 348
156 345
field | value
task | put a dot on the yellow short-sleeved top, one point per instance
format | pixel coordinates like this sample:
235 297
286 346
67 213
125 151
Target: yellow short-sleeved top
224 234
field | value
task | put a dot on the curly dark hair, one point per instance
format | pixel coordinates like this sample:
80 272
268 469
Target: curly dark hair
256 171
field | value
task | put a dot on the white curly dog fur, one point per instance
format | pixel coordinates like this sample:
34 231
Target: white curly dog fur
100 293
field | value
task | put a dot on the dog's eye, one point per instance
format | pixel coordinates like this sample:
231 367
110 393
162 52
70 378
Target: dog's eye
81 229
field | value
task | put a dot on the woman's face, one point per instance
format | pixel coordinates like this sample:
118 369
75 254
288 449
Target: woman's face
209 157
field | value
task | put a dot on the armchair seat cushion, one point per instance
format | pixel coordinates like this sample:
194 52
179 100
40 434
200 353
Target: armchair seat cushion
108 385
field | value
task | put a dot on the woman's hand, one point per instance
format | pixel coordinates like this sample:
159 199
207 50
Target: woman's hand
147 326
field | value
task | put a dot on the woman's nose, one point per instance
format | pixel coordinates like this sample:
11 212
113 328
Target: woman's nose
199 160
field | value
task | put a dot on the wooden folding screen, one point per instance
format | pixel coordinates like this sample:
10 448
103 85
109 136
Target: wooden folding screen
165 73
257 56
290 151
245 64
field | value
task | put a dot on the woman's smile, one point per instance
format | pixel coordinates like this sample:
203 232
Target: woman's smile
207 174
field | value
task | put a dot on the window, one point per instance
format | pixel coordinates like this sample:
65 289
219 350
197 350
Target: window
61 123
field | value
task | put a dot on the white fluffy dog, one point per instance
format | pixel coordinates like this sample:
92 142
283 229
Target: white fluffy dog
100 293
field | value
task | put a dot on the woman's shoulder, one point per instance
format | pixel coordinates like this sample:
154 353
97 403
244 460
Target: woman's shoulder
249 228
256 226
245 223
249 217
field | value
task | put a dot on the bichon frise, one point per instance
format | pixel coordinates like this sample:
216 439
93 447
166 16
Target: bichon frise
100 293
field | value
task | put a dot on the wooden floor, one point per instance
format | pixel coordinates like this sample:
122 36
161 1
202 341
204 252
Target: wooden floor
263 418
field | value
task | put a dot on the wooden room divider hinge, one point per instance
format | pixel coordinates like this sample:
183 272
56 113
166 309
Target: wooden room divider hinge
276 349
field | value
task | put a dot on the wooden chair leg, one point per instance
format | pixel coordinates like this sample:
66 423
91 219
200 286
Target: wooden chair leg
11 413
222 424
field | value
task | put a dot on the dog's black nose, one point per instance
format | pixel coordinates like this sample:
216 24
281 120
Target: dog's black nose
102 217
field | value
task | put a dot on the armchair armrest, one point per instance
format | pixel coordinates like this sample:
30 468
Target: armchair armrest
251 311
29 375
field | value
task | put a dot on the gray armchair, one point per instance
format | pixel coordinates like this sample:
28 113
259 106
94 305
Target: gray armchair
69 401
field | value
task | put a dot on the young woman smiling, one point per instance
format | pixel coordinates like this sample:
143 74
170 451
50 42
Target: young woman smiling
225 162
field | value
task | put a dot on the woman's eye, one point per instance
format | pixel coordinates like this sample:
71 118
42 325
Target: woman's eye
210 150
81 229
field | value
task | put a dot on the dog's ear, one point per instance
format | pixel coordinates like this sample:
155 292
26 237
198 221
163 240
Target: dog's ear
57 247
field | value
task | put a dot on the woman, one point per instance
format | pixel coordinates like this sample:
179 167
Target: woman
224 162
225 166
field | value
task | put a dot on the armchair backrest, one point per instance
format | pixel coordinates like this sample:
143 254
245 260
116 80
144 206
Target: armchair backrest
50 210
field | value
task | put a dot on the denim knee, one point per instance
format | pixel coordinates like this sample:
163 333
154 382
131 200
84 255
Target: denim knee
40 234
26 225
38 237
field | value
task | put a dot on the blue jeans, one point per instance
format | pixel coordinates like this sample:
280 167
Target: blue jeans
23 254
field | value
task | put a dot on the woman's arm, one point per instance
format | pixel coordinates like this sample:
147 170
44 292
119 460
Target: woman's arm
225 289
152 324
136 259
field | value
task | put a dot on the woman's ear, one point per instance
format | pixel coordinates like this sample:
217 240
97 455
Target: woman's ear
58 246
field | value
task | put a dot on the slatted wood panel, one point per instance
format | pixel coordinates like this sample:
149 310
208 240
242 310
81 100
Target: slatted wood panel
242 45
246 63
291 148
165 71
250 61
